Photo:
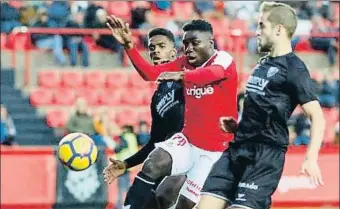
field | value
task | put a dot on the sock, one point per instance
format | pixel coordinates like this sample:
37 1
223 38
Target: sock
140 191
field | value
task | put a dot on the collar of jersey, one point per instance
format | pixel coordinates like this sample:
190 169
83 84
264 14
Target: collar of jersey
204 64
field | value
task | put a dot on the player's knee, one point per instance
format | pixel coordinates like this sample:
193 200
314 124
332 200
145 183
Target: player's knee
158 165
184 203
168 190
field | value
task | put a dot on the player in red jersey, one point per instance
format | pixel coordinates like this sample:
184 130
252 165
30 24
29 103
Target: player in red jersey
210 80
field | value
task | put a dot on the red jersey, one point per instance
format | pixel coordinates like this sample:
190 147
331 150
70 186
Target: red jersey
210 92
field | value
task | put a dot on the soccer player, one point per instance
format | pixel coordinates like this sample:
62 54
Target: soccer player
210 82
167 110
248 172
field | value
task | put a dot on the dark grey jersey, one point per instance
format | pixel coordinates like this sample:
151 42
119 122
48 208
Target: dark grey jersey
276 86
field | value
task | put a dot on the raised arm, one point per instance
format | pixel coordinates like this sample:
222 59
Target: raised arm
148 71
122 33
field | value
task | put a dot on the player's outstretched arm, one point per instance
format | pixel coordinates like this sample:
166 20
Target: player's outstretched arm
122 33
310 166
140 156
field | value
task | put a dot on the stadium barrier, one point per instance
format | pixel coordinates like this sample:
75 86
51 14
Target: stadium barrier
33 178
237 39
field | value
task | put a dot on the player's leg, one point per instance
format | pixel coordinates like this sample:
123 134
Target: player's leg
168 190
190 193
260 178
155 167
218 189
169 157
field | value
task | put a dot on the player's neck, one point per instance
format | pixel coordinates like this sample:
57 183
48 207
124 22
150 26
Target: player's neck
282 48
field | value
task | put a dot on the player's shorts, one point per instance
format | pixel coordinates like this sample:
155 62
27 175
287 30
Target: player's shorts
191 161
246 175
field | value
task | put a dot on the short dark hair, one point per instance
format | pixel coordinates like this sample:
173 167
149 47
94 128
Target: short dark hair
162 32
200 25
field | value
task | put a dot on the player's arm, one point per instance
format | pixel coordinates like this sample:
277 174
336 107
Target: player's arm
305 94
148 71
140 156
222 68
122 33
314 113
156 135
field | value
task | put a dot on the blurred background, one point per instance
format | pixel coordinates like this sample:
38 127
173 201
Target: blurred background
62 72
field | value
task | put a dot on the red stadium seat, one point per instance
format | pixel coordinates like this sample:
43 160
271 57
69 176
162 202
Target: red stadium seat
16 4
184 10
117 79
49 79
41 96
89 94
120 8
110 97
145 115
3 40
72 79
57 118
136 81
140 4
95 79
303 45
127 117
148 96
132 97
64 96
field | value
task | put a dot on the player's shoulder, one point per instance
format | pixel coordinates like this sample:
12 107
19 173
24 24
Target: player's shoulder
295 63
223 58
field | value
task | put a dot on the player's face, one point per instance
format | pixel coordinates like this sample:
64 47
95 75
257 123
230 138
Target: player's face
161 49
198 47
264 34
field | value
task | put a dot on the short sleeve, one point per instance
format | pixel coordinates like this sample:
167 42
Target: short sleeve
303 88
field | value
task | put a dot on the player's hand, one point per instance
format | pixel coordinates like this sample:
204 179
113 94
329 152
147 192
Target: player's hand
173 76
311 169
115 169
228 124
120 31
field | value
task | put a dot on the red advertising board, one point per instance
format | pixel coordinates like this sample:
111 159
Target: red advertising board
295 189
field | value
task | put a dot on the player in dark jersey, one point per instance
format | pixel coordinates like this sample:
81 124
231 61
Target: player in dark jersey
248 172
167 109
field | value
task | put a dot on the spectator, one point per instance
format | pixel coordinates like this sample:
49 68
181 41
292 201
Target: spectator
138 14
8 130
302 129
58 12
127 147
106 41
143 135
162 5
10 17
81 121
46 41
106 129
328 93
76 42
329 45
77 6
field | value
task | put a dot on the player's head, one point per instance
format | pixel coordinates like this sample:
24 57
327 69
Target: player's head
198 41
161 46
277 24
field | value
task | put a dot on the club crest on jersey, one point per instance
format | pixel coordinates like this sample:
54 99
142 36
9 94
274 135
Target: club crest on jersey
272 71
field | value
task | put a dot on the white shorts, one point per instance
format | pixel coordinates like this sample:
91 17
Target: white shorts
190 160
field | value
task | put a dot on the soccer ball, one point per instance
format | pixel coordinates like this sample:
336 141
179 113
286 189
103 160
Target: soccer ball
77 151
